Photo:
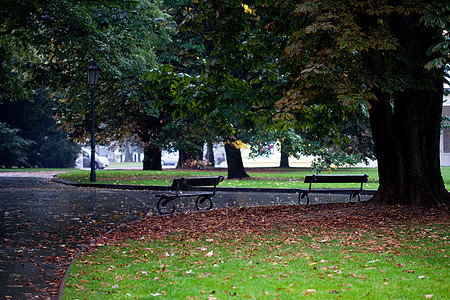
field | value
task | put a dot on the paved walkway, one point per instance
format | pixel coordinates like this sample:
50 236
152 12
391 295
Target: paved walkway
43 224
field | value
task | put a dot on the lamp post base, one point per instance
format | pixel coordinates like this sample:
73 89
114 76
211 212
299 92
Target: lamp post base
92 177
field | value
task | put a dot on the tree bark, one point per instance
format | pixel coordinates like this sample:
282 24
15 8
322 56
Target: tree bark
284 160
152 159
406 132
191 160
210 154
234 160
128 153
183 156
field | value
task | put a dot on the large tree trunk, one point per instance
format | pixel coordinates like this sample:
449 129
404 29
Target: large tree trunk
210 154
284 160
152 159
128 153
406 134
234 160
189 161
192 159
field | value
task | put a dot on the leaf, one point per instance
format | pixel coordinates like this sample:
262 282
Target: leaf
435 63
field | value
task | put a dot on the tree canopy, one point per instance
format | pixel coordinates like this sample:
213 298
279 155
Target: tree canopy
248 71
47 45
320 70
382 58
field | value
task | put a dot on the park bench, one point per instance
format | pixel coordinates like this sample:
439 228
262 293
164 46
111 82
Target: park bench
333 179
186 187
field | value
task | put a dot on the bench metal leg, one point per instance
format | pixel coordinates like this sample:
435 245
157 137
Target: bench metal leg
302 195
165 205
353 194
203 202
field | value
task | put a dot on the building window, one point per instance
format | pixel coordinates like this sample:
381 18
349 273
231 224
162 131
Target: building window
446 140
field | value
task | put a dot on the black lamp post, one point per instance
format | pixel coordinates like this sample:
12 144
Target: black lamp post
93 71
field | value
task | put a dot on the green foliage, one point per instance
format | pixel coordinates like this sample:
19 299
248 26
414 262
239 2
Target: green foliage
445 122
252 69
165 87
327 159
13 148
49 44
439 17
54 150
49 145
186 50
171 94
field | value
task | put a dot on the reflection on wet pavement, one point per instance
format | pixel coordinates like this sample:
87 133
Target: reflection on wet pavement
43 224
40 222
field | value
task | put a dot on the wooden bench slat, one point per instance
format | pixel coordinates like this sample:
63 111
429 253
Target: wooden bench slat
196 181
336 178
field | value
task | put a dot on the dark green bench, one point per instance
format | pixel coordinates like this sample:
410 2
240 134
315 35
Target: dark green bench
333 179
185 187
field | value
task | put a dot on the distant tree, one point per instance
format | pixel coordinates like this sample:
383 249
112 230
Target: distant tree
13 148
49 145
184 56
49 44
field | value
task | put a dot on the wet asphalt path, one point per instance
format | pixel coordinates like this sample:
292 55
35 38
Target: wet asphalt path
43 224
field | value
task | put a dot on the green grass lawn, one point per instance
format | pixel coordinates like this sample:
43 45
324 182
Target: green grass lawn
272 178
277 253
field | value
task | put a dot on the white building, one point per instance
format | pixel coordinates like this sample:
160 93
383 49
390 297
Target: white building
445 134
